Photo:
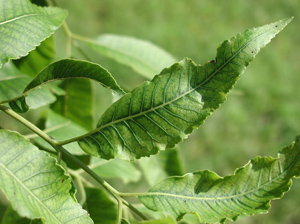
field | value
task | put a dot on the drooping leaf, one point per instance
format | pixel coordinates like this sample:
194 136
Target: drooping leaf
61 128
67 69
101 208
78 102
37 59
35 185
12 217
214 199
23 26
161 113
143 56
12 83
116 168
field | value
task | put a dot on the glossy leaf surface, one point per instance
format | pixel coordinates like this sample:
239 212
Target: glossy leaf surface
35 185
214 199
23 26
161 113
142 56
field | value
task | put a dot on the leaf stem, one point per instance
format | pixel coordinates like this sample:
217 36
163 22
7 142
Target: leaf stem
68 155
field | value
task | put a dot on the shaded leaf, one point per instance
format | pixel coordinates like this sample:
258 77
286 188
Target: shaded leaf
214 199
23 26
37 59
61 128
78 102
143 56
156 168
100 207
12 217
116 168
166 220
67 69
161 113
35 185
12 83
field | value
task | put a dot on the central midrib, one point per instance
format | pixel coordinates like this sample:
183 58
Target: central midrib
171 101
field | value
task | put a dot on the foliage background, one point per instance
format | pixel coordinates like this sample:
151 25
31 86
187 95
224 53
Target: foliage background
261 114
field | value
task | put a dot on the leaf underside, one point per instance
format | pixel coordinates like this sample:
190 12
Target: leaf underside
214 199
35 185
161 113
23 26
67 69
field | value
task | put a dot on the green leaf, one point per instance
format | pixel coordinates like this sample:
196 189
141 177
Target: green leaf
156 168
143 56
67 69
166 220
12 82
161 113
78 103
214 199
35 185
61 128
23 26
116 168
12 217
101 208
37 59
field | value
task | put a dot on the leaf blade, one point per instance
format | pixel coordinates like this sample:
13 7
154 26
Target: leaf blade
67 69
34 176
214 199
143 56
36 23
161 113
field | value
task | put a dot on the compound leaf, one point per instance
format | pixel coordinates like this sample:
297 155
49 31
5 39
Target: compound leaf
35 185
67 69
143 56
214 199
161 113
23 26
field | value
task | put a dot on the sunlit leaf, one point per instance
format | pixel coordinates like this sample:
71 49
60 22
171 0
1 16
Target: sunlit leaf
35 185
67 69
161 113
167 220
23 26
214 199
143 56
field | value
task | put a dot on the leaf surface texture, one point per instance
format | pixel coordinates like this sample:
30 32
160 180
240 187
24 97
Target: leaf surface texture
161 113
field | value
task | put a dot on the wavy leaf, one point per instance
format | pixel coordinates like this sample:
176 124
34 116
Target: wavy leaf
161 113
67 69
214 199
23 26
35 185
101 208
142 56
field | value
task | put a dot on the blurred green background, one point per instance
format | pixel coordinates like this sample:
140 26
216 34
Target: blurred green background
261 115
